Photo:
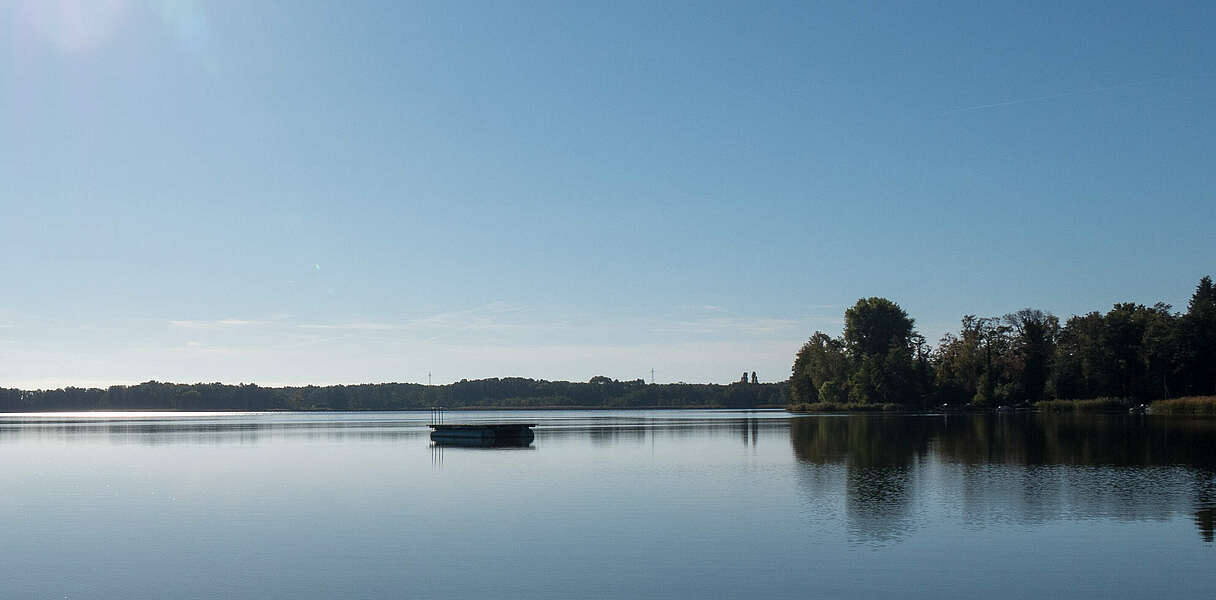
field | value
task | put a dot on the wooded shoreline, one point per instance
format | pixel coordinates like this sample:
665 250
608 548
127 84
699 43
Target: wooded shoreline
485 394
1133 352
1190 405
1131 355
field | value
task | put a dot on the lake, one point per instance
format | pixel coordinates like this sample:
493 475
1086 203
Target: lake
607 504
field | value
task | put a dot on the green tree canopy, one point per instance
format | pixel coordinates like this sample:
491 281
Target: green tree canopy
878 337
821 358
1133 351
1034 343
875 325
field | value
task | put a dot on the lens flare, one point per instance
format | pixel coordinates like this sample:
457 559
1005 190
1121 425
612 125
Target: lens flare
73 26
187 21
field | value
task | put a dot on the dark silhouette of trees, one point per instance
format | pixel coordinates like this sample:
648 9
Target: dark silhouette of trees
1133 351
878 340
821 359
511 392
1082 361
879 360
960 363
875 325
1034 343
1199 339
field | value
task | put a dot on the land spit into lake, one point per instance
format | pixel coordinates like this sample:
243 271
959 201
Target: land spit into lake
1193 405
505 393
1132 355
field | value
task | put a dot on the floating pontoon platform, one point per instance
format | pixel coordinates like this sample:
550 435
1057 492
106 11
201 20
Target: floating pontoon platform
488 434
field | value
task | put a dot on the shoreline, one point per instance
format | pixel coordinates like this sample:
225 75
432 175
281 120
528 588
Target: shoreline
766 408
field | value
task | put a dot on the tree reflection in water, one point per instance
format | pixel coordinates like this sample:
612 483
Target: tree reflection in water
1028 468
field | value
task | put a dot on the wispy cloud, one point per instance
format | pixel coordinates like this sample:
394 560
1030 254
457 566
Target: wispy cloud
730 325
713 308
823 307
221 323
366 326
236 322
503 324
699 342
489 317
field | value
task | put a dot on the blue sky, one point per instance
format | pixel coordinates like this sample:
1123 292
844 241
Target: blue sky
348 192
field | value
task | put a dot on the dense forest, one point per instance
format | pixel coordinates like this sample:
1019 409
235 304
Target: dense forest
599 392
1132 352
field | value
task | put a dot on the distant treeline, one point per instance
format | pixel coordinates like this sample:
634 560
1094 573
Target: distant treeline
513 392
1132 352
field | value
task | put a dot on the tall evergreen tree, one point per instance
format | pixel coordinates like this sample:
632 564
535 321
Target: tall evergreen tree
1200 326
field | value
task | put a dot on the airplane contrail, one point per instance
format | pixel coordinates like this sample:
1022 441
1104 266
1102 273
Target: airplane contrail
1096 90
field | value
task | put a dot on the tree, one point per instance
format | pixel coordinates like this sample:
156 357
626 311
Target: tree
832 391
1163 352
996 345
924 360
1081 365
802 385
1034 343
885 379
1200 326
878 338
820 359
875 325
1124 331
961 362
1133 351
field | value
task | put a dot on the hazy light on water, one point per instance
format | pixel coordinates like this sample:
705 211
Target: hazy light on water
129 414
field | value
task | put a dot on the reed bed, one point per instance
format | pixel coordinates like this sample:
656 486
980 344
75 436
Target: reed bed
820 407
1089 405
1190 405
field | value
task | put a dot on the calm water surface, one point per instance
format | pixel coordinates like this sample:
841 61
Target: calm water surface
638 504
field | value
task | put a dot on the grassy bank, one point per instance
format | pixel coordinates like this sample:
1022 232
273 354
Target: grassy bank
822 407
1192 405
1089 405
